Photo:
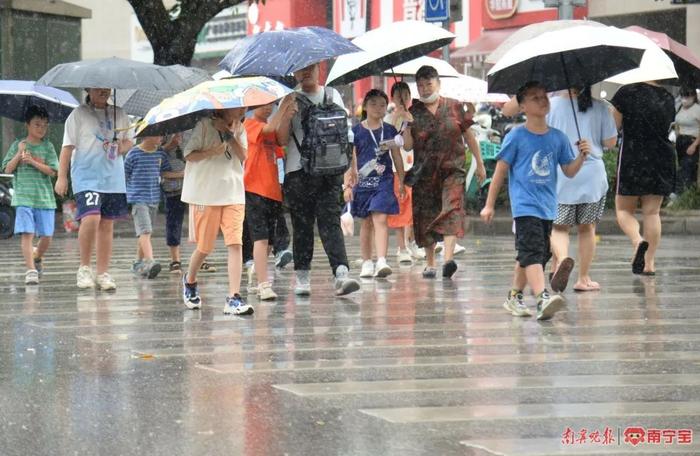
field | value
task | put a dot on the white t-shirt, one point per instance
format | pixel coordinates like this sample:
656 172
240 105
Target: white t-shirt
214 181
90 130
687 121
293 157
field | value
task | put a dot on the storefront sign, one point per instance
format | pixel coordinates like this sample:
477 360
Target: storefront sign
501 9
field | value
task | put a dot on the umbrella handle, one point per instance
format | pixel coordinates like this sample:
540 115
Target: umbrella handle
568 88
114 139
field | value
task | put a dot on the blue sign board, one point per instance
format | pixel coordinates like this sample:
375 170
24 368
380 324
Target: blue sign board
437 10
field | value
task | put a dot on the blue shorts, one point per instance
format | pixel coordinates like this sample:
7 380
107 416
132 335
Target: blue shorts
110 206
39 222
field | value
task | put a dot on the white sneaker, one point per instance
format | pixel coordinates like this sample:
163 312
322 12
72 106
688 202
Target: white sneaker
404 256
417 253
367 270
459 249
382 269
85 278
105 282
265 292
303 285
252 288
31 277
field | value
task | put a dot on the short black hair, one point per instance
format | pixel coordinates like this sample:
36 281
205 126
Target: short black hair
35 111
399 85
689 92
426 72
523 90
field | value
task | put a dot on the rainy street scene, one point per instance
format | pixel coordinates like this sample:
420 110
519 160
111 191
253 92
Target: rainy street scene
349 227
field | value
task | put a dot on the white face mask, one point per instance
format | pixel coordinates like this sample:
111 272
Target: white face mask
432 98
687 102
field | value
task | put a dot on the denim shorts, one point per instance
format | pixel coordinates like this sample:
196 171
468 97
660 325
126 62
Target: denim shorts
39 222
143 215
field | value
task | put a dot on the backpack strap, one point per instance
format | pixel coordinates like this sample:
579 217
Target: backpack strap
327 95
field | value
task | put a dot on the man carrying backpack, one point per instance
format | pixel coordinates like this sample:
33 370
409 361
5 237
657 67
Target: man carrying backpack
318 156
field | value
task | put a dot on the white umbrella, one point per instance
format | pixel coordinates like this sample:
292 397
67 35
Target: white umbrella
444 69
655 66
386 47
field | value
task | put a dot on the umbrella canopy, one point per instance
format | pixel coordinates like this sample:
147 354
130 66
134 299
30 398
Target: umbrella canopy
655 66
561 59
465 89
137 102
182 111
531 31
17 96
444 69
282 52
386 47
685 61
115 73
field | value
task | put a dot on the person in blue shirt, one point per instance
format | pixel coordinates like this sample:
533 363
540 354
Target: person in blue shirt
530 155
143 167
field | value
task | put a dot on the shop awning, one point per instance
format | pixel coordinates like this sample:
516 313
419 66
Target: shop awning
478 49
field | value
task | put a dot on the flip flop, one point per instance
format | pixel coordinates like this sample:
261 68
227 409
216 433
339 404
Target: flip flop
638 261
648 273
585 289
561 276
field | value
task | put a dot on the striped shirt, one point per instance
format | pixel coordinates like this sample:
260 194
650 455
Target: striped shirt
142 170
32 187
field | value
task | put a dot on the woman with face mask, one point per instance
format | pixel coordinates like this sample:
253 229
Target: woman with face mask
688 137
437 131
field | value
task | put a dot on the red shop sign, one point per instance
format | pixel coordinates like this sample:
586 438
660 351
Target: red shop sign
501 9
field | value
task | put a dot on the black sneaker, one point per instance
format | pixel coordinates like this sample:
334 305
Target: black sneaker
449 269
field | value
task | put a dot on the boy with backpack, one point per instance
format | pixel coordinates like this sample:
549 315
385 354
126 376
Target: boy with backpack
318 158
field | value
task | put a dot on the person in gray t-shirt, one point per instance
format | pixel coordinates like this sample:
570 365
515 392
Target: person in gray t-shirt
314 198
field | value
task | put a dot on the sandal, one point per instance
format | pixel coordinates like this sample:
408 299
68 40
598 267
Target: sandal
207 267
638 261
560 278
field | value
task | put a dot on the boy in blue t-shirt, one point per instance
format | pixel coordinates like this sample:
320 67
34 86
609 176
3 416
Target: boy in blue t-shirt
530 155
143 168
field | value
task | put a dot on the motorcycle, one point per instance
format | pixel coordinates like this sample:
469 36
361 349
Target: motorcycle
7 212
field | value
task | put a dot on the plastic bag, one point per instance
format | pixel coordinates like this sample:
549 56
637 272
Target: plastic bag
70 211
347 223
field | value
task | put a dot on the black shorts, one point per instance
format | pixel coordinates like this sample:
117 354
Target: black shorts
532 241
261 216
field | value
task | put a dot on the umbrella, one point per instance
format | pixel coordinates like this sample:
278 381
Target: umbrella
182 111
444 69
115 73
282 52
577 56
17 96
386 47
137 102
531 31
687 64
465 89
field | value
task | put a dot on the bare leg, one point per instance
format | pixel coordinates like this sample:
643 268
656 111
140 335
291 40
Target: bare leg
651 205
366 238
449 252
381 234
586 252
42 246
105 232
560 244
260 258
87 236
175 253
625 207
28 249
235 268
535 278
519 278
430 255
145 246
401 237
196 261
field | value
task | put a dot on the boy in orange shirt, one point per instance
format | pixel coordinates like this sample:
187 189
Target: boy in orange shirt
263 192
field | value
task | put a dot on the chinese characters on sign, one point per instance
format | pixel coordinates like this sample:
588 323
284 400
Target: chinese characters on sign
501 9
413 10
630 436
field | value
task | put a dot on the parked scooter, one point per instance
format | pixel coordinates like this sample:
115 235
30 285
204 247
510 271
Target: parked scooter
7 212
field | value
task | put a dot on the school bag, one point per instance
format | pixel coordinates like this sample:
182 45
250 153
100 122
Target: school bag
324 149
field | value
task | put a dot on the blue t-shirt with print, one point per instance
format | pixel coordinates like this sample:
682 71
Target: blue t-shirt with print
366 150
142 170
532 178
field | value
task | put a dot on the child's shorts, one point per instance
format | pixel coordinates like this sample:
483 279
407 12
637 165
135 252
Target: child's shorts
39 222
532 241
261 215
209 219
143 215
109 206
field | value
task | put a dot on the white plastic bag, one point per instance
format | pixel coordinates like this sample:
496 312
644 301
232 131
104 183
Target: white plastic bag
346 221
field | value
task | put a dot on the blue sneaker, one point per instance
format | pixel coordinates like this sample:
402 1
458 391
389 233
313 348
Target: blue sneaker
190 294
236 306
